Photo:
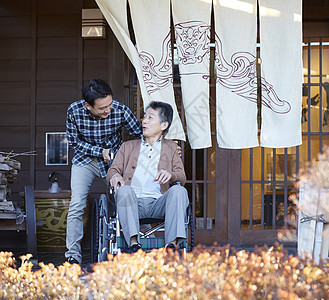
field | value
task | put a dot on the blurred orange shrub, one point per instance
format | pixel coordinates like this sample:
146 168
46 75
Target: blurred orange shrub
212 273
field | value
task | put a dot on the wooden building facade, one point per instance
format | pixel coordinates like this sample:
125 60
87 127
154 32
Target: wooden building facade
44 62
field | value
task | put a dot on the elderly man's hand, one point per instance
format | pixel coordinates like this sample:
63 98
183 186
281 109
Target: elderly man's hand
117 181
163 176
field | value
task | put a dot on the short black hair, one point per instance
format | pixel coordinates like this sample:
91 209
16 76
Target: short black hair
95 89
165 112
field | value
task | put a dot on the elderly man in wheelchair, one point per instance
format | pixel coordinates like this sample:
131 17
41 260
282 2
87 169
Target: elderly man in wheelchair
143 175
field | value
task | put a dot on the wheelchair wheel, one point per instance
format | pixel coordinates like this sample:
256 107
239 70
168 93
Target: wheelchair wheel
94 231
103 240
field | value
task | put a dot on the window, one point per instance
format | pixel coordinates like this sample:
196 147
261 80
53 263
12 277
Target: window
268 175
56 148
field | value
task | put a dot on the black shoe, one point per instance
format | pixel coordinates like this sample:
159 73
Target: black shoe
174 249
72 260
171 246
133 249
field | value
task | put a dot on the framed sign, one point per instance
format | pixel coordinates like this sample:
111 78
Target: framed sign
57 148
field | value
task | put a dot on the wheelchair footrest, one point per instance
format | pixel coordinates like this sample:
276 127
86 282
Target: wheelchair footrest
151 243
147 243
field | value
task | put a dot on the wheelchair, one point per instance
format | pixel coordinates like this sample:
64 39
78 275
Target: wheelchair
107 237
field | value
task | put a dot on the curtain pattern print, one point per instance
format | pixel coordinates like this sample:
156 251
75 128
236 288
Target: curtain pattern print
192 32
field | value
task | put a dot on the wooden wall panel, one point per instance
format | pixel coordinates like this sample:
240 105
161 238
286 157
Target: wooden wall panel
58 7
15 70
18 48
23 178
95 49
15 26
57 47
57 69
11 8
51 115
59 92
14 138
95 68
15 92
117 73
316 30
60 26
89 4
14 115
314 12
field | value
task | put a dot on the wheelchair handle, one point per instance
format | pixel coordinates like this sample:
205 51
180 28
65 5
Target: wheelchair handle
177 183
111 189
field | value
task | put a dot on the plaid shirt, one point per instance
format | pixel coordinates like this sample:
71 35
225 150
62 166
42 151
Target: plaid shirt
88 136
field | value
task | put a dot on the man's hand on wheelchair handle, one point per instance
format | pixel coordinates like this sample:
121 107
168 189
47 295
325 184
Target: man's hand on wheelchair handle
163 176
116 181
106 153
178 149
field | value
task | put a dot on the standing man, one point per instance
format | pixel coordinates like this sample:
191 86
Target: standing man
142 174
93 128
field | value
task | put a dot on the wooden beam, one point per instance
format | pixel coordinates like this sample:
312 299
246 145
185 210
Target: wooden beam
33 88
221 216
234 197
316 12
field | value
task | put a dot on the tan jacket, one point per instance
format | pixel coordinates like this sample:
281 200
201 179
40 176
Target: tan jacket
125 162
